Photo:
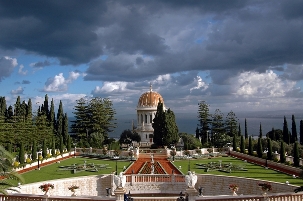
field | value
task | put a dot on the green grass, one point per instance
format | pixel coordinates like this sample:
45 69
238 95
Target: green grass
253 171
52 171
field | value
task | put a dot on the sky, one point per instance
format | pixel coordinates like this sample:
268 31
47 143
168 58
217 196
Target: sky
239 55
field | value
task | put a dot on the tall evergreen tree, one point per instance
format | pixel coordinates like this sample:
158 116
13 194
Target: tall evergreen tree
21 154
3 106
259 148
286 137
53 146
269 151
218 127
282 153
250 146
260 131
59 124
242 144
158 125
65 129
231 123
294 134
61 145
234 143
239 130
45 108
34 150
301 132
296 154
170 135
44 149
246 133
82 120
204 119
29 112
69 143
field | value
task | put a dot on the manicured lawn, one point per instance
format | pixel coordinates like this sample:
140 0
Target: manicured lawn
253 171
53 171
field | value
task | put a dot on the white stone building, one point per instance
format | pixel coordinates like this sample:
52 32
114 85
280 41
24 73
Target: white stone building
146 111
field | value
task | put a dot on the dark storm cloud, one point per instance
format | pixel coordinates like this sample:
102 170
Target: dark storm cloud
41 64
144 39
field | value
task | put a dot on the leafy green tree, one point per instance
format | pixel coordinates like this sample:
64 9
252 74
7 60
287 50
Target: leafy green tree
269 151
275 134
190 142
204 119
294 134
296 155
231 123
259 148
9 147
127 136
282 153
246 133
250 146
286 136
242 144
9 178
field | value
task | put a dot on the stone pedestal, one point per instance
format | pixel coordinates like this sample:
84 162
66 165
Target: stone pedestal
119 193
192 193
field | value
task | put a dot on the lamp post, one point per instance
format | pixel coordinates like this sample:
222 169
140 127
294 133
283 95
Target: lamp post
38 161
116 166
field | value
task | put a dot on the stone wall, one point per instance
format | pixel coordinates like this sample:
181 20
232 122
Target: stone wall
212 185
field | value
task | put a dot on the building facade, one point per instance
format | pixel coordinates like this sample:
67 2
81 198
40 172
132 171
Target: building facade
146 111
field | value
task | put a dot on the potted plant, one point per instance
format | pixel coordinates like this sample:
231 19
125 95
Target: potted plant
46 187
73 188
234 188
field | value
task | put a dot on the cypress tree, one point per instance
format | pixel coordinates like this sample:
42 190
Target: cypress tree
239 130
282 153
285 132
296 155
61 145
60 117
29 112
34 151
158 125
294 134
44 149
250 146
246 133
65 129
259 148
69 143
301 132
45 109
53 147
260 131
269 151
170 135
234 143
242 145
21 154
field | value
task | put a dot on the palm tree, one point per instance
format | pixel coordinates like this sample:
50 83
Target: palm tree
9 178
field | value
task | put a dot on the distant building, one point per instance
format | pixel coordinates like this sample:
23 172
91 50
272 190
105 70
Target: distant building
146 111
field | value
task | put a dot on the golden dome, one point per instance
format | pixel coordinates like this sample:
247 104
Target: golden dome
150 99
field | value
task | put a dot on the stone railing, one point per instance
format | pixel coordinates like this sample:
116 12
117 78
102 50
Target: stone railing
270 197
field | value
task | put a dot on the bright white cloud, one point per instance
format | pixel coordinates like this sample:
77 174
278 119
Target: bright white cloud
7 65
59 83
266 85
199 84
19 90
20 71
110 87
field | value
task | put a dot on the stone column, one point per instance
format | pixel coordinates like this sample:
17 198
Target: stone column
119 193
192 193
